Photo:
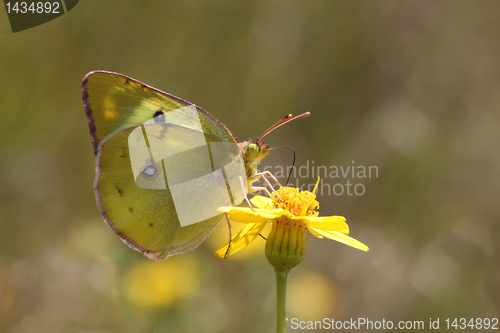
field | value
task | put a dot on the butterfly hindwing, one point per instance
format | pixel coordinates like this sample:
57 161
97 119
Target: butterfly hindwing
145 218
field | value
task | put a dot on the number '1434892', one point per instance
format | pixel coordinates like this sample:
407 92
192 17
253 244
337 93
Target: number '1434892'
33 7
475 324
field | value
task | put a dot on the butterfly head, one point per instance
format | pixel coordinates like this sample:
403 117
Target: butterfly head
254 151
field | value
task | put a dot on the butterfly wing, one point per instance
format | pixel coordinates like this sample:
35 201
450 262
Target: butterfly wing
160 162
114 101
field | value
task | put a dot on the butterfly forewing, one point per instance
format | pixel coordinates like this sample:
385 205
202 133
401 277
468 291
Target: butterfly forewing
113 101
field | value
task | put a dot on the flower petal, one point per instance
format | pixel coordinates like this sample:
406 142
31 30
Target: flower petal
337 236
260 201
241 239
247 215
312 230
329 223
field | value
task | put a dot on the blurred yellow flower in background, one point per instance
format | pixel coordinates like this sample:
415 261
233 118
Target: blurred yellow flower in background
152 284
312 296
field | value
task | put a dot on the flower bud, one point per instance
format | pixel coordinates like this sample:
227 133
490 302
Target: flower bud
286 244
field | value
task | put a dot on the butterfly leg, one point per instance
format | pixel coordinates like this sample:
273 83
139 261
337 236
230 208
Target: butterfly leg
245 194
262 175
226 255
259 188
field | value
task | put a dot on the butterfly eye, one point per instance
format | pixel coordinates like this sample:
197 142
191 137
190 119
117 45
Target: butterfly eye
253 150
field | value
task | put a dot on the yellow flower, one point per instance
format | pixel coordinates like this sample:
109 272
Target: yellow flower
152 284
287 206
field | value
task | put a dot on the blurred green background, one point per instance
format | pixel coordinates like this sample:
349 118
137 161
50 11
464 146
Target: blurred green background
411 87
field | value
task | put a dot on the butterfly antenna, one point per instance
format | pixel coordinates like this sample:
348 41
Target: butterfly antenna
282 122
275 124
293 163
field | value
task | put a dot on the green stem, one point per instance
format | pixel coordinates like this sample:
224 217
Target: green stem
281 277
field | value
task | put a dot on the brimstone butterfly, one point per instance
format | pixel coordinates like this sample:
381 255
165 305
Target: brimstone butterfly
164 165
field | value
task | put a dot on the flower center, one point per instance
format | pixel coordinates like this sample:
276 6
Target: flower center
299 203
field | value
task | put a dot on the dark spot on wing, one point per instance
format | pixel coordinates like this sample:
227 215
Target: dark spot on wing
159 117
124 152
119 191
131 209
143 86
150 224
127 82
